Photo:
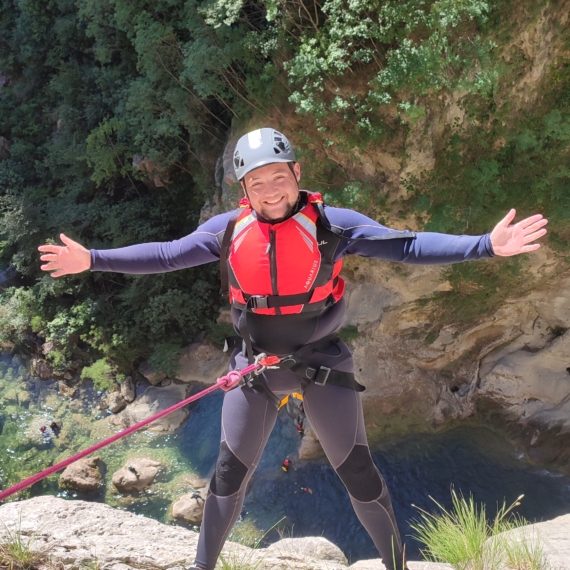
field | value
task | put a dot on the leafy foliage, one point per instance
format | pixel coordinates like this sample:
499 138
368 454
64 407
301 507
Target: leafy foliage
113 114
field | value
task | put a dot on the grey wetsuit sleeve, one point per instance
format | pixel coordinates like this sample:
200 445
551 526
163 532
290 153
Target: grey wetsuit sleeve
201 246
424 248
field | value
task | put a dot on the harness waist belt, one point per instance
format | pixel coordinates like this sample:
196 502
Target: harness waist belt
307 374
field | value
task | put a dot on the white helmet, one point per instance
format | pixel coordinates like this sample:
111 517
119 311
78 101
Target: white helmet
261 147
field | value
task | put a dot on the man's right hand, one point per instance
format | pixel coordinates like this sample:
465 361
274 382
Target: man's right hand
65 260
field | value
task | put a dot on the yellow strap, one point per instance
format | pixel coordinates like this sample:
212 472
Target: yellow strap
286 399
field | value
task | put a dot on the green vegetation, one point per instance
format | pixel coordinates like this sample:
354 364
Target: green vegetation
349 333
20 552
113 115
101 372
464 538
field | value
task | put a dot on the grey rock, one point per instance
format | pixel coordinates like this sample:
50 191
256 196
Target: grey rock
42 369
65 390
190 507
152 401
83 475
202 362
151 374
128 390
115 402
137 474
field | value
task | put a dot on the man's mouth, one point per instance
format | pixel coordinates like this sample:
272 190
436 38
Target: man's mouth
274 202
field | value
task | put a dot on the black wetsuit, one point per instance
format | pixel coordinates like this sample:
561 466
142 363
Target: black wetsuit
335 412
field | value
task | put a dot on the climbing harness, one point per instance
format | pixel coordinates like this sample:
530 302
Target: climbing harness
227 382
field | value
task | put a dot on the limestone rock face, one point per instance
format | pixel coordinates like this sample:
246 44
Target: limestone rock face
532 386
137 474
152 401
190 507
83 475
202 362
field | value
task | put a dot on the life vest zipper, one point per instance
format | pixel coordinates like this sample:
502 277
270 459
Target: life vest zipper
273 266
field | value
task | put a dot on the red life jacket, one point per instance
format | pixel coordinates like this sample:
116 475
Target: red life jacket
283 268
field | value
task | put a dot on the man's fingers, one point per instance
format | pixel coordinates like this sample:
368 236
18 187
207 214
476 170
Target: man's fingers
537 218
58 273
50 248
49 257
527 248
531 237
48 267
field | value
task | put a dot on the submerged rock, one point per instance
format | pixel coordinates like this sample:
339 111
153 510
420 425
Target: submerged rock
83 475
152 401
137 474
190 507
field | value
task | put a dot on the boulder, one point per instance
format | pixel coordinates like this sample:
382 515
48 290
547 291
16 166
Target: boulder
66 390
115 402
42 369
83 475
152 401
310 446
151 374
137 474
50 346
128 391
190 507
294 552
202 362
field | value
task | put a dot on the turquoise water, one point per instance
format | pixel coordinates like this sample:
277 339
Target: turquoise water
473 460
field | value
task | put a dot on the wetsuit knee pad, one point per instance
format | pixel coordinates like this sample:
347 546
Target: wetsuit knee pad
360 476
229 474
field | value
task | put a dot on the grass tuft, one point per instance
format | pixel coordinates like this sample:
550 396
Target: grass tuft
18 552
464 538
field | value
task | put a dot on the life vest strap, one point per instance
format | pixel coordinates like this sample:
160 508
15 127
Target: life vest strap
273 301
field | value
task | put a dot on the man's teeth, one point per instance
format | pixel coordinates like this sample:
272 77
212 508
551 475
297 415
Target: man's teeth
274 201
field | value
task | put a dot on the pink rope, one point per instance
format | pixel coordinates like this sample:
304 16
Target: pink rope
225 383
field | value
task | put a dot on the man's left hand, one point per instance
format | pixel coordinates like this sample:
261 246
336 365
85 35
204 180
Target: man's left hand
512 240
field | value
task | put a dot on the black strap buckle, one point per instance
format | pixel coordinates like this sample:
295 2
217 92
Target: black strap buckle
322 375
258 302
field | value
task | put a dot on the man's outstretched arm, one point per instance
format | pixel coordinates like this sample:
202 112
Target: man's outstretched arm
195 249
429 248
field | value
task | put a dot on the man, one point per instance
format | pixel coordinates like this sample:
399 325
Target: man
281 256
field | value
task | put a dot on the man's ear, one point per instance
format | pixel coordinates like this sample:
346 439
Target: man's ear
297 171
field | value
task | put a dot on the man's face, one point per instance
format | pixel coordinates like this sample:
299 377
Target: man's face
273 190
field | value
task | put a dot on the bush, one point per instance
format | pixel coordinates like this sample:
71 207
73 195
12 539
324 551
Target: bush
101 372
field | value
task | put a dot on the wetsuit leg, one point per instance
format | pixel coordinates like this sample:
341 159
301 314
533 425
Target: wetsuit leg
247 420
336 415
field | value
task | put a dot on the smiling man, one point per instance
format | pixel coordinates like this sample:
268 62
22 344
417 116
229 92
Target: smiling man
281 255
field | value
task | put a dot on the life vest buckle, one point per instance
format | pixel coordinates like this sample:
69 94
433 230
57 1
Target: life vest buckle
258 302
